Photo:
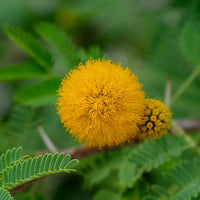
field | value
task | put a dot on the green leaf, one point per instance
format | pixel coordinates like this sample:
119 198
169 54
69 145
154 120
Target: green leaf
187 177
98 167
34 168
65 161
58 161
5 195
129 173
30 45
71 164
99 176
47 163
137 192
53 161
190 42
94 52
150 198
61 46
21 71
9 158
106 195
23 119
39 94
183 181
146 157
42 164
160 191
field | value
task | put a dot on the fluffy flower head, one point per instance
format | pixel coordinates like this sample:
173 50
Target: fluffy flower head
101 103
156 121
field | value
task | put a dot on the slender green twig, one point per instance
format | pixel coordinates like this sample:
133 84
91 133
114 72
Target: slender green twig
187 137
185 85
168 92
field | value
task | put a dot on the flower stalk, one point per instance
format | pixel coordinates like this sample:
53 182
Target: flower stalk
185 85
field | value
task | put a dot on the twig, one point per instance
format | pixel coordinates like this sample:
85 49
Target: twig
24 186
188 125
168 92
185 85
80 152
47 141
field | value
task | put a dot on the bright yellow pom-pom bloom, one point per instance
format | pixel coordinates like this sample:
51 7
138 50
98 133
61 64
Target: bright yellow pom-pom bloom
101 103
156 120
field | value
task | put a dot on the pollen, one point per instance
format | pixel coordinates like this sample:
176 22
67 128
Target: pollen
156 120
101 103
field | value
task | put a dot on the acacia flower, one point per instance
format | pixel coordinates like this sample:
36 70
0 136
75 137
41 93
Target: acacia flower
156 120
101 103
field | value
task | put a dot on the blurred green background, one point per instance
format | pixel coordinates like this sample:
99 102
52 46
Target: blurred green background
143 35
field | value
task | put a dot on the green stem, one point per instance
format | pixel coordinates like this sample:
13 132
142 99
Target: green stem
185 85
188 138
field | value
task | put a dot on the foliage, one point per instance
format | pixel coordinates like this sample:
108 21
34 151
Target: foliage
183 180
39 94
21 71
16 170
190 40
62 48
5 195
30 45
156 39
23 119
125 168
10 158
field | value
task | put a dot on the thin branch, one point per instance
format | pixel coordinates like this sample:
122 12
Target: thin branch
24 186
185 85
47 141
189 125
168 92
181 126
81 152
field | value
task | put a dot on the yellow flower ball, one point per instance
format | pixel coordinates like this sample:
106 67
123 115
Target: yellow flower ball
156 120
101 103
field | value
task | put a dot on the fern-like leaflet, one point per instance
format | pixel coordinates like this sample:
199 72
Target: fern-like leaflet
62 48
34 168
130 163
183 181
5 195
30 45
16 170
23 119
10 158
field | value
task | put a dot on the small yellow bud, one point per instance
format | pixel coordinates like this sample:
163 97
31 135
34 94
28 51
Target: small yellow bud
156 121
